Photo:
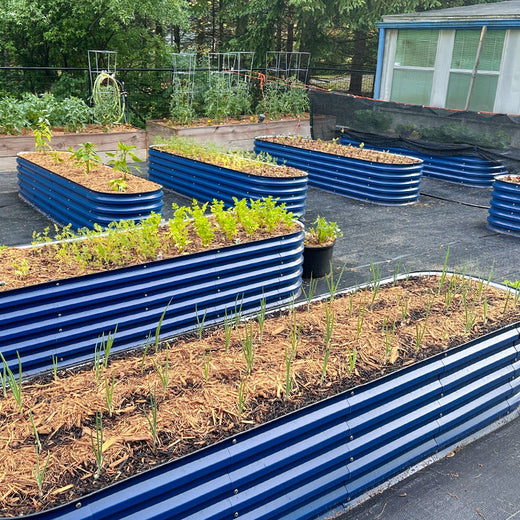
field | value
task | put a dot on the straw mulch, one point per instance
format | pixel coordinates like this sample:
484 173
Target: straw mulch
204 391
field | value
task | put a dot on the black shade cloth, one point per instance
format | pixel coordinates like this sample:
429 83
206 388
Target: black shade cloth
427 130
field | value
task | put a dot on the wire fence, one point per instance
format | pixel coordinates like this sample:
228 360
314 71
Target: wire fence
148 91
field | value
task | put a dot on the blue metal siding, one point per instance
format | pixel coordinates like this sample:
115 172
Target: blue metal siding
392 184
65 201
206 182
504 213
66 318
468 170
322 456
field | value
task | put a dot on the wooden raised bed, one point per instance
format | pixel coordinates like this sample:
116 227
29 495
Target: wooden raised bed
239 136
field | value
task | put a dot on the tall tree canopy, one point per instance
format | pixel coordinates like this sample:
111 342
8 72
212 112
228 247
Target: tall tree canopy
60 32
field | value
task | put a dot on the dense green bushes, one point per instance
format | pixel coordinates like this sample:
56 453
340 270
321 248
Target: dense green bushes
31 110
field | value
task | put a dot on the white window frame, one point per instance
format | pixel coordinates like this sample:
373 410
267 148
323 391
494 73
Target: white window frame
507 98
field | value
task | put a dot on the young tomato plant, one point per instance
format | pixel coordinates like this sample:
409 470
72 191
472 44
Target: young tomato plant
86 157
120 159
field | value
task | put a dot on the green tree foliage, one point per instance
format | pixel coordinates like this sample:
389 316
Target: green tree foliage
59 33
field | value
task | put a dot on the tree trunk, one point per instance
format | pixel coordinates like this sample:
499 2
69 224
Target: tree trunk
176 32
290 29
358 62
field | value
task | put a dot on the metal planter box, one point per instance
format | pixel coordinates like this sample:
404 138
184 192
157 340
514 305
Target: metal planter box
318 460
206 182
392 184
459 169
504 212
65 201
66 318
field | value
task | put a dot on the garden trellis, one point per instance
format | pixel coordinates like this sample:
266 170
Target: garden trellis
183 87
229 75
282 66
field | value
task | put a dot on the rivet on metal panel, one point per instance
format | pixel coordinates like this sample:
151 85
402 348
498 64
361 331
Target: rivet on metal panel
440 414
146 308
59 314
351 459
351 437
236 515
235 491
442 394
352 393
234 441
57 283
60 330
78 505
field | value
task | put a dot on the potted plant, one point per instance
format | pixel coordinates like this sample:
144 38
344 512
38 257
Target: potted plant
76 187
504 211
373 176
318 247
206 171
333 398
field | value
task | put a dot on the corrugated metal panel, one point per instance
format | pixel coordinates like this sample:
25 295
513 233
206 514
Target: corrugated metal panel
206 182
471 171
379 183
65 201
504 213
322 456
66 318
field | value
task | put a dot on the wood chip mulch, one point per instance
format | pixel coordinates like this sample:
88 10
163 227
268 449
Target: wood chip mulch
201 402
98 178
349 151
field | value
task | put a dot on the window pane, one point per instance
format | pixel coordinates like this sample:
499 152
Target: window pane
412 86
482 97
416 48
466 45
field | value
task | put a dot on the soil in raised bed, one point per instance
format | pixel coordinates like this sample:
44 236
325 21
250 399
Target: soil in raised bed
88 129
242 120
211 393
251 167
24 266
514 179
99 176
349 151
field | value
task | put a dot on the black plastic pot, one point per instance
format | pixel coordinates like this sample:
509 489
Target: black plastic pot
317 261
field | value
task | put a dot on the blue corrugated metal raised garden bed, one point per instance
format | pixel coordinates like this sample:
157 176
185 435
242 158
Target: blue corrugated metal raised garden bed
366 179
64 320
504 213
459 169
321 458
206 182
65 201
